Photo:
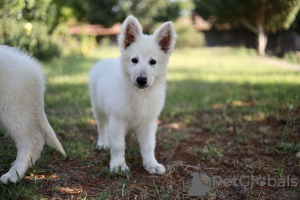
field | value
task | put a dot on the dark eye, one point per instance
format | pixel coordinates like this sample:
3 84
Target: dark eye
152 62
134 60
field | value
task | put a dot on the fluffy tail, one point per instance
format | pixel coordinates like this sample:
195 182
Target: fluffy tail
51 138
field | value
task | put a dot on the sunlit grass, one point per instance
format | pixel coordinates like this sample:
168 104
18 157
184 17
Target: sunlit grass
228 65
197 79
201 78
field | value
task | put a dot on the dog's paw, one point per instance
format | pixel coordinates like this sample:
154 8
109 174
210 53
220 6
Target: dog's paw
9 178
156 168
114 167
102 147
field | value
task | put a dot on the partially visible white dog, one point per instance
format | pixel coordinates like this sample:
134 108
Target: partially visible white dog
128 94
22 110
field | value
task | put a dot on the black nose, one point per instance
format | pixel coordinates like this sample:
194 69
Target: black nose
141 80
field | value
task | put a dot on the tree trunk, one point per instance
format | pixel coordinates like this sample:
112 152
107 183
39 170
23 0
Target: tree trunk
262 40
260 21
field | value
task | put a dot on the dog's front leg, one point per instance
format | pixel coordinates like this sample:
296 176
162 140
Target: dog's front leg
116 136
146 136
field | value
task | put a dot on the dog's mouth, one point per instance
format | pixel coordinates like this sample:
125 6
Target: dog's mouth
141 87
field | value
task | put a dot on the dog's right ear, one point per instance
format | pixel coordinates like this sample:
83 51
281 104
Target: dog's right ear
131 29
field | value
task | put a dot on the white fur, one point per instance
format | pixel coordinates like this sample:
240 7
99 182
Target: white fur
22 110
120 105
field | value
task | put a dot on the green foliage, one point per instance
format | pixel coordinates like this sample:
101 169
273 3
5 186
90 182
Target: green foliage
64 39
186 7
35 42
8 10
168 12
29 24
281 14
107 12
187 35
47 12
150 12
292 56
295 25
75 9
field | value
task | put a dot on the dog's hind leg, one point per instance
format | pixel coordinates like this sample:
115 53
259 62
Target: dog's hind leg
17 116
39 141
23 138
102 142
146 137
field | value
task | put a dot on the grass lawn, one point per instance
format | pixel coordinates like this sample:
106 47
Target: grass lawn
227 113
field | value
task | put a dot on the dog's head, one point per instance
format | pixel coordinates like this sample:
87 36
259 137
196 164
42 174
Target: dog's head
145 57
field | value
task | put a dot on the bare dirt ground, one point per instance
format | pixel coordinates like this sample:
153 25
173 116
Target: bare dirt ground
212 144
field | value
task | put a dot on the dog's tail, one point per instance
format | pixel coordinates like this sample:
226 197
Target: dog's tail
51 138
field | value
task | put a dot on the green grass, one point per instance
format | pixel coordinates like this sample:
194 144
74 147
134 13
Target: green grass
286 148
209 151
206 79
279 170
201 78
197 79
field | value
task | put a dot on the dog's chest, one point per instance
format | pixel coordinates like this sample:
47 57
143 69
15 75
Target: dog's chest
142 106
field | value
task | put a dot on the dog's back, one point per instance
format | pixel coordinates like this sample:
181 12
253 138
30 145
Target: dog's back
18 73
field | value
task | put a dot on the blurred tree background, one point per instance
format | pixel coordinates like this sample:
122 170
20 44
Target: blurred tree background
41 27
29 24
108 12
259 16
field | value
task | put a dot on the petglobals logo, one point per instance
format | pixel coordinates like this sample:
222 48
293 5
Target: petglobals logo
197 188
200 185
250 180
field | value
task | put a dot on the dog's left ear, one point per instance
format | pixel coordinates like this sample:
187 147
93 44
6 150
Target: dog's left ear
165 37
131 29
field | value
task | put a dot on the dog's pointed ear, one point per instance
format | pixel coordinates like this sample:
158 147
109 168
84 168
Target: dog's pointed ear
165 37
131 29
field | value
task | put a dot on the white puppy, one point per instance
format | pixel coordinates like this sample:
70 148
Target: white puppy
22 110
128 94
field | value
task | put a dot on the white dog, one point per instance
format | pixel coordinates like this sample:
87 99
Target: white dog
128 94
22 110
